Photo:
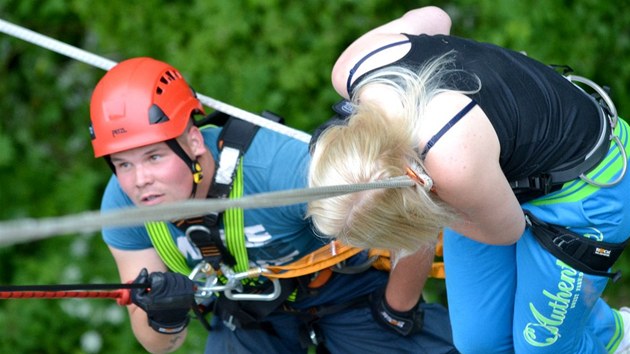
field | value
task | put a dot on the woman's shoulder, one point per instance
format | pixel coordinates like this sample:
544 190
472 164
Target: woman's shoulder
369 52
456 129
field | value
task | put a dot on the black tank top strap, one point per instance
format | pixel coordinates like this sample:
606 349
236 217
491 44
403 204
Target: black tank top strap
366 57
434 139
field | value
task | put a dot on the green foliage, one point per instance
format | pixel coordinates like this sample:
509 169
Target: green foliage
257 55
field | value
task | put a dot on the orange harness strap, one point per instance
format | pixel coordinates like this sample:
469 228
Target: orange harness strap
383 262
334 253
322 258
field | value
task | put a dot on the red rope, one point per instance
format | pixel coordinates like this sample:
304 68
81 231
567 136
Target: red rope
122 296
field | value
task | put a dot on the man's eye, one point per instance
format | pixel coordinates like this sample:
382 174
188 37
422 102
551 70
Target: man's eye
155 157
122 165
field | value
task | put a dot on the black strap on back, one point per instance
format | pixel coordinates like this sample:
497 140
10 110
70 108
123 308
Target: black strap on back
531 187
545 182
234 140
343 109
582 253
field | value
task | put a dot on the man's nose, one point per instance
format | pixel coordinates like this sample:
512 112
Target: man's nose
143 176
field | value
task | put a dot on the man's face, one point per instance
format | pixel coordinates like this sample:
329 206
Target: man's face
152 174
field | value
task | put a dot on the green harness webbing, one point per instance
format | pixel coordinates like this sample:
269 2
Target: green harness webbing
233 220
233 142
234 224
166 248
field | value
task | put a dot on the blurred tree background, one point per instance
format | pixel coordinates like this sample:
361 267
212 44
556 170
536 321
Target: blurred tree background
254 54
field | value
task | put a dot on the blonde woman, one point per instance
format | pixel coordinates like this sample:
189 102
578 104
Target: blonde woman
487 133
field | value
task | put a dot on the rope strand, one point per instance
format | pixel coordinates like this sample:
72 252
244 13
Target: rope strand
23 230
106 64
121 296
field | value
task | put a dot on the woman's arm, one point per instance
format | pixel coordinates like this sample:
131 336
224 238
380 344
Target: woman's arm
407 279
428 20
464 165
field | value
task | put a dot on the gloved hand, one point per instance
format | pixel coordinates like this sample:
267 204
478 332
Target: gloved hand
404 323
167 301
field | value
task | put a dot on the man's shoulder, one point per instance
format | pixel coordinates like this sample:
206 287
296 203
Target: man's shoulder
113 196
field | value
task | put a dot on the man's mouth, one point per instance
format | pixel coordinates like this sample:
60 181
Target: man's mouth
151 199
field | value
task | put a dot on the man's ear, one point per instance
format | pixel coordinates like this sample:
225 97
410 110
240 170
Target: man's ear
195 141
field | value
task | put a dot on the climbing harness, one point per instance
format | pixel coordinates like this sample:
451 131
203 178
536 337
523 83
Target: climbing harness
580 252
544 183
244 299
203 232
224 269
608 109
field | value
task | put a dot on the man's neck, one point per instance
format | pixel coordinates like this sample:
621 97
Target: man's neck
208 167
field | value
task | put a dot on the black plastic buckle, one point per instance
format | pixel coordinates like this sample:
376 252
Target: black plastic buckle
541 182
563 239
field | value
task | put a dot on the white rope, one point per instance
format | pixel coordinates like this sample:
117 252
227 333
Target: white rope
23 230
106 64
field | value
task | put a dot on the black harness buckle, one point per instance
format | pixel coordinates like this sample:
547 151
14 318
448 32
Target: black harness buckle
583 254
563 240
540 183
204 234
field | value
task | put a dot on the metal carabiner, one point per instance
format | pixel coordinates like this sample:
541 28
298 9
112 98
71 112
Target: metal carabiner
204 273
232 288
602 93
612 120
251 273
624 169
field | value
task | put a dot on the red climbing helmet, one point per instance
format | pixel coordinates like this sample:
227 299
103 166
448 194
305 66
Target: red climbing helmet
140 101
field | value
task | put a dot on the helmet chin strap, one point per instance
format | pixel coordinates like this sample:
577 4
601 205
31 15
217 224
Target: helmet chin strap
194 165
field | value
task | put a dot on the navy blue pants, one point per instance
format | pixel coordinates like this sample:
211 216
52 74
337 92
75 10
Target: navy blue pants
349 331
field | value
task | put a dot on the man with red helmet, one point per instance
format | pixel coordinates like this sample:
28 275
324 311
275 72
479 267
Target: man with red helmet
142 114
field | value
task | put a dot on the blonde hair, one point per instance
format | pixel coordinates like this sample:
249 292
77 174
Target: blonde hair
373 146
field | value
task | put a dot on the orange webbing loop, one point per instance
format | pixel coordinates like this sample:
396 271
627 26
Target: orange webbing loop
439 246
383 262
437 270
335 252
324 257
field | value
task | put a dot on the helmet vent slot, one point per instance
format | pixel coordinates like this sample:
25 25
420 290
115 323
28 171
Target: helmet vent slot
156 115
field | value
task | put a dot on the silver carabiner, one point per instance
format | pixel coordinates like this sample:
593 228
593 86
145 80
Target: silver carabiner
602 93
232 288
204 273
251 273
612 120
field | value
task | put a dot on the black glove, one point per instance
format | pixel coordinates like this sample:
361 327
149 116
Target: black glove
404 323
167 301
